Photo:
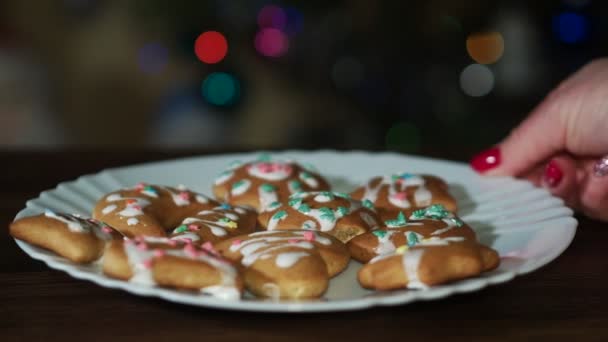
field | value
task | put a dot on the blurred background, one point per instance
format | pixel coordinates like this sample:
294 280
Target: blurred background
397 75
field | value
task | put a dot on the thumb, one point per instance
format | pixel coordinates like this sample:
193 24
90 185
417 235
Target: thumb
536 139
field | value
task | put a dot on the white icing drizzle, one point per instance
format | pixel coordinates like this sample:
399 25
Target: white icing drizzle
266 198
223 177
139 258
109 209
385 245
216 226
241 187
288 259
423 196
240 211
79 225
272 171
132 221
149 193
274 221
180 200
187 235
396 191
324 223
322 198
309 225
201 199
309 179
411 262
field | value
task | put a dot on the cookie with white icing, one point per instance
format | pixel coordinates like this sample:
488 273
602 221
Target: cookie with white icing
434 221
216 224
262 182
430 262
150 210
405 192
154 261
77 239
286 264
333 213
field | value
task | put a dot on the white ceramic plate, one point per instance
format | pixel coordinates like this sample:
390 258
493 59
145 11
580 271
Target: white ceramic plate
526 225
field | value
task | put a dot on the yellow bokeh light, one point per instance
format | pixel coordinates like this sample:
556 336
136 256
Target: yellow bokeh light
485 47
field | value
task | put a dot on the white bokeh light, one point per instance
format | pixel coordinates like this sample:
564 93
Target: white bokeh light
476 80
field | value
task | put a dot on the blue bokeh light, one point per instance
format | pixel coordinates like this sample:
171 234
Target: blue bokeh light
570 27
153 58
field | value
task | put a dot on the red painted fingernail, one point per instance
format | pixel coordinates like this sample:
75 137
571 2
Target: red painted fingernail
553 174
486 160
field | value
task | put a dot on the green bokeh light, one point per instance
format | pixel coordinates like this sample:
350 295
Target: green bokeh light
221 89
403 137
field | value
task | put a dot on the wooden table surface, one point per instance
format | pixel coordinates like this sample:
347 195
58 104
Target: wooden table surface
566 299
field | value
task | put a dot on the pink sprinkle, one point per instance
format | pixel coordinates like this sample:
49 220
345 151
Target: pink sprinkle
131 201
400 195
208 246
309 236
265 167
191 251
106 229
139 239
136 207
184 195
185 240
193 228
159 253
140 186
293 240
147 263
236 242
129 241
142 247
172 243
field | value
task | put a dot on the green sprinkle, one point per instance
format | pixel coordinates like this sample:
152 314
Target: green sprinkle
400 221
368 204
379 233
279 215
235 163
294 202
296 185
268 187
181 229
299 194
305 175
264 157
304 208
342 195
436 212
327 214
274 205
412 239
343 211
238 184
394 178
224 219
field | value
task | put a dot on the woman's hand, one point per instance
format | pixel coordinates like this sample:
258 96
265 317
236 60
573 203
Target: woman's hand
560 143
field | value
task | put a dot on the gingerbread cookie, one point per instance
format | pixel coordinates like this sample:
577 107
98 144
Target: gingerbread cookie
171 263
333 213
431 261
77 239
216 224
150 210
434 221
258 184
287 264
404 192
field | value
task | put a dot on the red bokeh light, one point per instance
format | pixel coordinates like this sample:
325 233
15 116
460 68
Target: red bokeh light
211 47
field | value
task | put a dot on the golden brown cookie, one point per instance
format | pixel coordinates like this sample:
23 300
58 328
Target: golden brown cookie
150 210
286 264
262 182
404 192
330 212
433 221
77 239
431 261
219 223
161 261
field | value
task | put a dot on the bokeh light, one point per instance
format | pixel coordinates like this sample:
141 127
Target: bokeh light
570 27
221 89
476 80
271 42
295 21
272 16
152 58
485 47
211 47
347 73
403 137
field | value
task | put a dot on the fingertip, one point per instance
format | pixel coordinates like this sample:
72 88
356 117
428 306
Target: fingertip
560 178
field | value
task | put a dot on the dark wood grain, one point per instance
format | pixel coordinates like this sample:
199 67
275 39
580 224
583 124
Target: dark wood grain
566 299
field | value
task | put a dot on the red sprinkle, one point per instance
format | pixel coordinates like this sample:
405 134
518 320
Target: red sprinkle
131 201
309 236
184 195
208 246
193 228
106 229
400 195
159 253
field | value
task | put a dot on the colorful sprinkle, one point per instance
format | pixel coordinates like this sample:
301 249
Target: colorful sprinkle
400 195
147 263
342 195
292 241
159 253
412 239
238 184
265 157
309 236
190 250
343 211
208 246
327 214
193 228
225 206
268 187
140 186
400 221
232 225
368 204
236 242
274 205
172 243
295 185
142 247
401 249
131 201
304 208
294 202
106 229
379 233
305 175
181 229
279 215
184 195
436 212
